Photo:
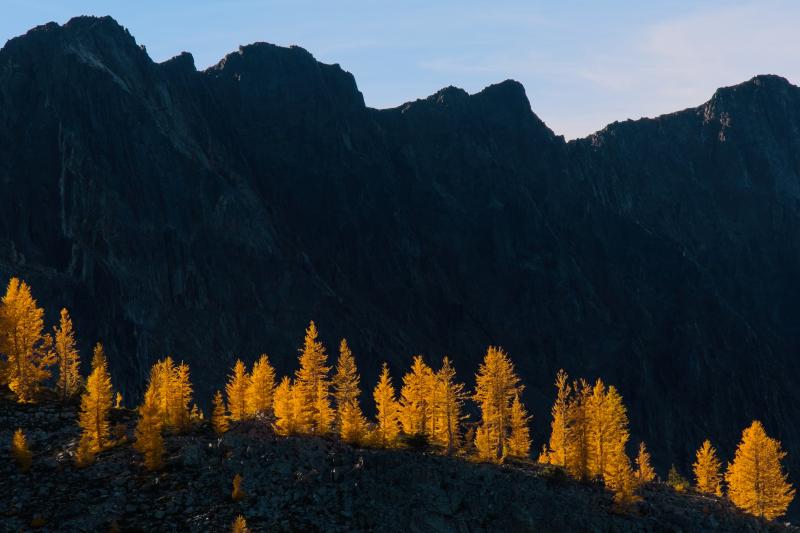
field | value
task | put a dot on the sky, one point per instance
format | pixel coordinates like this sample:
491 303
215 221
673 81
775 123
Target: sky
584 64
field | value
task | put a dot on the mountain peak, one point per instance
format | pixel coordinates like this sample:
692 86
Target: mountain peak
763 84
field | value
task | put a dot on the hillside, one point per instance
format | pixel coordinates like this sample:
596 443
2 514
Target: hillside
310 484
211 214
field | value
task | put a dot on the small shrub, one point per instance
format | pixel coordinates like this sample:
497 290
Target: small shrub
20 451
238 492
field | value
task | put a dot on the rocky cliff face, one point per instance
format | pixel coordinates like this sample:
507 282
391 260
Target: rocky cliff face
211 214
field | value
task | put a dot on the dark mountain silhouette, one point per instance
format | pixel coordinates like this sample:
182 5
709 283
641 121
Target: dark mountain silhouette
210 215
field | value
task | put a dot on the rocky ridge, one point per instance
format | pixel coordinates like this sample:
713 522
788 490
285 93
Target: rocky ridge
310 484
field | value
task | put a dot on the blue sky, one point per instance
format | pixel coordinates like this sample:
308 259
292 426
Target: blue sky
583 63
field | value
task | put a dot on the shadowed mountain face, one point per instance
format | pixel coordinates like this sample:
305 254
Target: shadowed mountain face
210 215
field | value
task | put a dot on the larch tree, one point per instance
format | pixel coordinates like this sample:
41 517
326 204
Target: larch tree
283 406
19 450
676 480
313 412
219 417
644 471
67 358
261 389
236 391
181 392
618 475
352 425
707 474
519 441
161 379
448 407
756 480
84 456
496 385
607 426
578 430
149 441
96 403
416 398
386 421
27 350
345 383
239 525
556 453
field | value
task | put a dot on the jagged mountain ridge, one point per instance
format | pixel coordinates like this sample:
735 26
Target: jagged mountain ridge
212 214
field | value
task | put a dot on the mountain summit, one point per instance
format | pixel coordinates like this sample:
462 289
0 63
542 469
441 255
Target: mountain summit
209 215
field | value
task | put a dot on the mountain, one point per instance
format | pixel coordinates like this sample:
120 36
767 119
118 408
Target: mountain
211 214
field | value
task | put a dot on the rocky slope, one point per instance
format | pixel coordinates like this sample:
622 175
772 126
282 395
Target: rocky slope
211 214
306 484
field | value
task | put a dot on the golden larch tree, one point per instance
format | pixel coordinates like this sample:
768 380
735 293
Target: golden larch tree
416 398
149 441
386 421
352 425
448 407
559 430
578 430
313 412
283 407
27 350
325 413
676 480
236 391
756 480
519 440
346 381
67 357
496 385
219 417
239 525
19 450
261 389
96 402
160 382
84 456
618 475
544 455
607 425
644 471
707 473
181 397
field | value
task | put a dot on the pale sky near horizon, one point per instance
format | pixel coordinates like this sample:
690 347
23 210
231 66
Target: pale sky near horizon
584 64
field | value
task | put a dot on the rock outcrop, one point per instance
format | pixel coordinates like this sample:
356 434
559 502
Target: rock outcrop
210 215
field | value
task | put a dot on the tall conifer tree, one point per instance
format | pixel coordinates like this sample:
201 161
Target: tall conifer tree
96 403
496 386
313 413
27 350
236 391
707 470
346 388
67 358
447 407
261 389
386 421
756 480
644 472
